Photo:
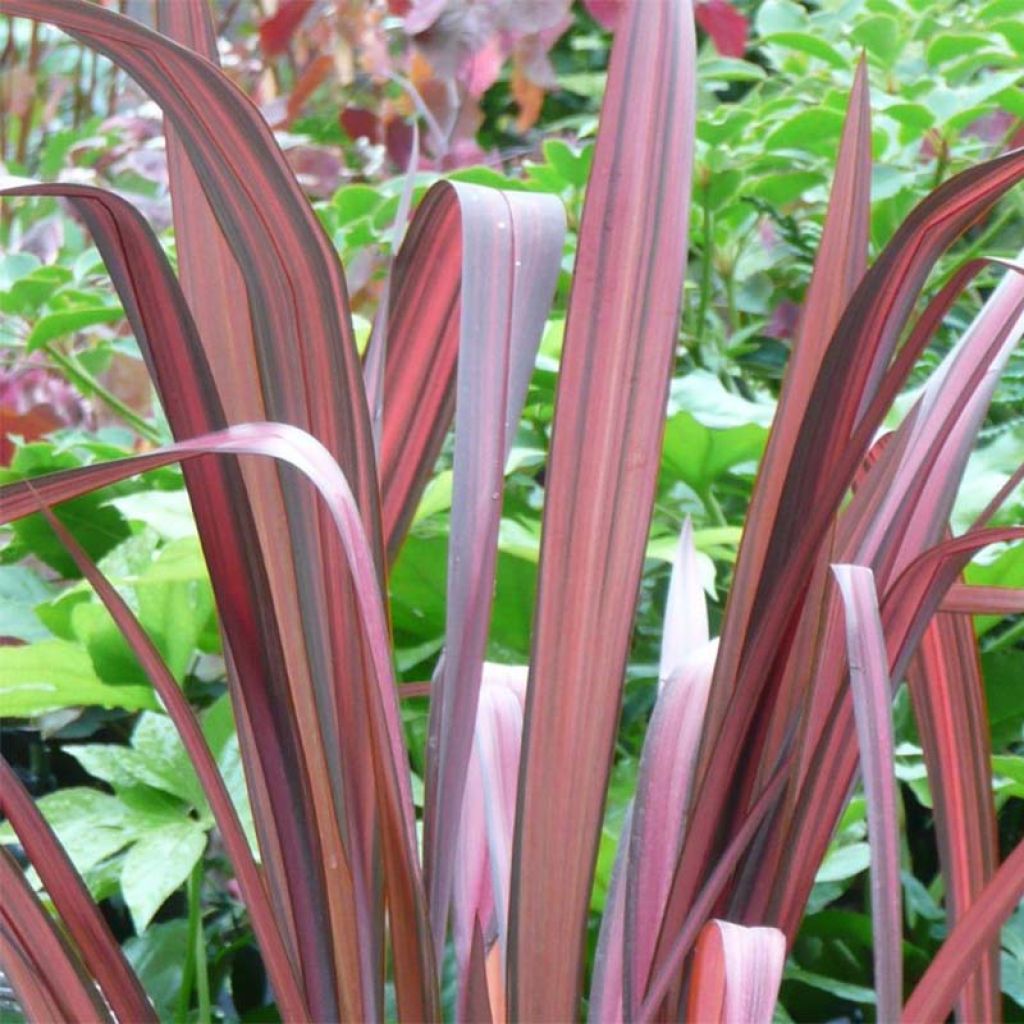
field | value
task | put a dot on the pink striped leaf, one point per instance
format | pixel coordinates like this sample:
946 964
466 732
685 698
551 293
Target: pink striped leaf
664 785
483 851
511 254
686 612
872 706
948 696
970 938
736 974
307 455
45 972
609 416
265 924
238 567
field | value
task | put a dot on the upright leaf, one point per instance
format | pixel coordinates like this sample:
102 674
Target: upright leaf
617 356
511 253
872 703
736 974
948 696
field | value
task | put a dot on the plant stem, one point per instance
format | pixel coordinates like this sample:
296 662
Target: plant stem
714 509
706 265
88 383
195 972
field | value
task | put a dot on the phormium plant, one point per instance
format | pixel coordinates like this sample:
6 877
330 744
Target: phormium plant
846 580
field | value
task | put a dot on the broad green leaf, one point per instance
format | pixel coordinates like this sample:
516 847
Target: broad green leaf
699 455
169 513
784 187
1002 671
779 16
55 674
716 69
162 757
21 590
881 36
953 45
812 45
157 866
355 201
572 166
89 824
104 761
437 496
845 862
56 325
811 130
27 294
232 769
158 957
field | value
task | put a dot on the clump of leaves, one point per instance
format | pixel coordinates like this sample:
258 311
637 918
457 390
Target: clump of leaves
752 750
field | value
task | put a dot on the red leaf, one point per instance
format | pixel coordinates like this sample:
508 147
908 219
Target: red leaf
98 948
511 251
948 696
872 705
45 973
276 31
725 25
971 937
265 924
736 974
607 13
359 123
609 415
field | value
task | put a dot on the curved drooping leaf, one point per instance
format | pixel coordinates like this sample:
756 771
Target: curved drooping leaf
265 924
308 456
227 525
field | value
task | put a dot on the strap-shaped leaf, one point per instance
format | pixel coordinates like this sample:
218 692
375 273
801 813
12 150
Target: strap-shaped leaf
872 707
609 414
971 937
948 696
98 948
265 924
304 453
811 497
45 973
227 520
511 248
736 974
